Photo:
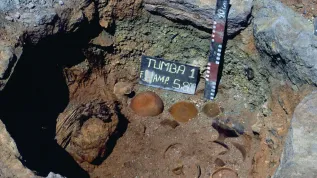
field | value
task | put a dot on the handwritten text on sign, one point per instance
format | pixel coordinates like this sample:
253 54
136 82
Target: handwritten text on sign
168 75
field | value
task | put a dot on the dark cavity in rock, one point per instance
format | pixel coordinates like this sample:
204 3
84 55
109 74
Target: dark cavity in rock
34 96
249 73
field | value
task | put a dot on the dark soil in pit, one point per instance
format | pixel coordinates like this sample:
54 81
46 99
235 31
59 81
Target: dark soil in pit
149 149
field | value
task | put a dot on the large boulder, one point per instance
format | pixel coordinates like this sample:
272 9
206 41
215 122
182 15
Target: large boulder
88 124
299 157
27 22
201 13
6 57
286 41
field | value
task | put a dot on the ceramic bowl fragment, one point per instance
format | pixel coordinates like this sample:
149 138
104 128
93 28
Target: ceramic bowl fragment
183 111
147 104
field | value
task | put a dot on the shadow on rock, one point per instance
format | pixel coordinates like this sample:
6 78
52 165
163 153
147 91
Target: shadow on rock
33 98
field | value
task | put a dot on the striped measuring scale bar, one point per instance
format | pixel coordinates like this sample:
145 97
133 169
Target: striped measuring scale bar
216 48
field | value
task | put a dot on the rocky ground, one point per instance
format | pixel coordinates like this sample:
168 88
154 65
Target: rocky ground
69 70
306 8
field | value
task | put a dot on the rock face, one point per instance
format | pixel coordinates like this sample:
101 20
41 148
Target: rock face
201 12
90 121
25 22
10 165
53 175
299 157
84 130
104 40
89 143
286 40
6 57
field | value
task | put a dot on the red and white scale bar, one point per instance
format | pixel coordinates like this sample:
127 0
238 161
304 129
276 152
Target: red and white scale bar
214 61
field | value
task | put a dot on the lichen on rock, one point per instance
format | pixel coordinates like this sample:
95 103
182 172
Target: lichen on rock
286 41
